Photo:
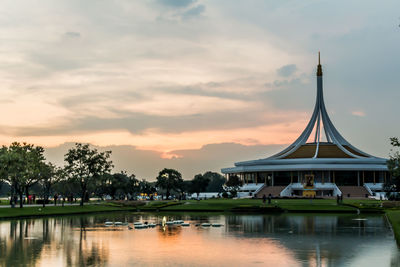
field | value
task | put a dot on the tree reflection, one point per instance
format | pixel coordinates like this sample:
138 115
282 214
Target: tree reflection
29 242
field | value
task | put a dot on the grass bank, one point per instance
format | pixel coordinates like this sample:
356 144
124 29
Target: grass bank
394 219
256 205
7 213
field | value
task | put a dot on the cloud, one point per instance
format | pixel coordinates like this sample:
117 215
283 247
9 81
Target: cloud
147 163
287 70
149 74
73 35
177 3
194 12
358 113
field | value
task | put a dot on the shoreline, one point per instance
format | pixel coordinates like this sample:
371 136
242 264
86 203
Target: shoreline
239 206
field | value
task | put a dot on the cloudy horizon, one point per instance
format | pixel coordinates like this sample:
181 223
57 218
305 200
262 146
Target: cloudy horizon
195 84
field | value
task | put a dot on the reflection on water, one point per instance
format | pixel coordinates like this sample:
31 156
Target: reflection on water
243 240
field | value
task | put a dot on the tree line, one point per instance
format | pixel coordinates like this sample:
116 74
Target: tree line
87 173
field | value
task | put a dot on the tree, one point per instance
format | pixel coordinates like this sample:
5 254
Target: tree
217 182
146 187
85 165
20 167
49 176
233 185
393 184
169 179
117 185
199 184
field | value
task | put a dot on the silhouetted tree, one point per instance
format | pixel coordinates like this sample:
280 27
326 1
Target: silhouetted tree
216 183
393 184
20 167
199 184
169 179
85 165
49 176
233 185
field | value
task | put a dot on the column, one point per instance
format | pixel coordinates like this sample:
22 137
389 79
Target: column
358 178
374 177
272 183
363 177
291 177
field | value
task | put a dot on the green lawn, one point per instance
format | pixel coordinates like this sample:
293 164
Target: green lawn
394 218
291 205
57 210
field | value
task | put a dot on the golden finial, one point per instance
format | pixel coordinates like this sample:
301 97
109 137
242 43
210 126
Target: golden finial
319 69
319 58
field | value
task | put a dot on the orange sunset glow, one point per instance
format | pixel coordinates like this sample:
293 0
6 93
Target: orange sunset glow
165 76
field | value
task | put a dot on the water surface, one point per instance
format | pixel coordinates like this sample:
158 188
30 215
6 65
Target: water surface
243 240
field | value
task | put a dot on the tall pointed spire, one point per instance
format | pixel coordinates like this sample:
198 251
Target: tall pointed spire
319 70
320 120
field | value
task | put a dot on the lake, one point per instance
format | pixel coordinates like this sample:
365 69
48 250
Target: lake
242 240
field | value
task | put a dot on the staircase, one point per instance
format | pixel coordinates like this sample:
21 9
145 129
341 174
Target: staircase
273 190
354 191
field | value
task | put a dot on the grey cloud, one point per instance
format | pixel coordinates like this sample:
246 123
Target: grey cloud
287 70
290 94
177 3
194 12
146 164
73 35
56 61
138 123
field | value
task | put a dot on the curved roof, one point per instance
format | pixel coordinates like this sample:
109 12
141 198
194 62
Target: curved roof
336 153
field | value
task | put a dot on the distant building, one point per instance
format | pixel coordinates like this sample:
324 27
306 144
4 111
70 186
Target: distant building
314 165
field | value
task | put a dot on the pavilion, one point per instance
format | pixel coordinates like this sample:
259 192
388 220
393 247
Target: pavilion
321 162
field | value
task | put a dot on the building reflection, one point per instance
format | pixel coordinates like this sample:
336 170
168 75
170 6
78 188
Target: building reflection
325 240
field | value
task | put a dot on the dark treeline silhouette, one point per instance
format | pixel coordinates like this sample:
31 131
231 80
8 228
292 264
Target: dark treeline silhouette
26 178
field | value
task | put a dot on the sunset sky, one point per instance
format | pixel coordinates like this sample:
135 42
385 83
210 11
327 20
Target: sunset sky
192 84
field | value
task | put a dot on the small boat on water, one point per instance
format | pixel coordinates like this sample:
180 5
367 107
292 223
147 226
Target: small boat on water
178 222
185 224
216 225
169 223
109 223
206 224
152 225
137 223
118 223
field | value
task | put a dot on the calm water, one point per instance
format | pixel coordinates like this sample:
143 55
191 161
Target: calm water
243 240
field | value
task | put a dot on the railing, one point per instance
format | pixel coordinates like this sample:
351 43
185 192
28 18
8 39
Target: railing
287 192
336 190
259 189
368 189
